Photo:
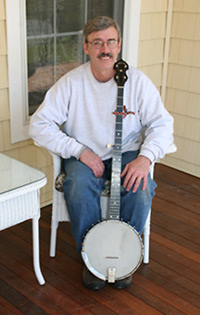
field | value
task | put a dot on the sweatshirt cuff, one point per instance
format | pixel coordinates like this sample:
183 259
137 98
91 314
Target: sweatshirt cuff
148 154
77 156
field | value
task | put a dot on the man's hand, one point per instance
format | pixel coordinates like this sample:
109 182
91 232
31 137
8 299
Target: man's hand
93 161
135 171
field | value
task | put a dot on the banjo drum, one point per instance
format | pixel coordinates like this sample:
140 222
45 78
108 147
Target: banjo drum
112 250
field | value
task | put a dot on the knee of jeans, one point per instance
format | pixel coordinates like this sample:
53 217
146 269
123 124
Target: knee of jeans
143 197
79 184
148 194
74 184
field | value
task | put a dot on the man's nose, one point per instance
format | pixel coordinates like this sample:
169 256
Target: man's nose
104 46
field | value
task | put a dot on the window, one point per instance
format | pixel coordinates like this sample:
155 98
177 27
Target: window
44 42
54 40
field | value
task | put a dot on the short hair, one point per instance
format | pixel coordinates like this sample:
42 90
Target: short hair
100 23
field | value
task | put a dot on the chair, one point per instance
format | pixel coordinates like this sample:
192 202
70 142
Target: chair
60 214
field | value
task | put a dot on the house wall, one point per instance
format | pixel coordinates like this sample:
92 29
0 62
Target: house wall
24 151
183 85
182 93
152 39
182 90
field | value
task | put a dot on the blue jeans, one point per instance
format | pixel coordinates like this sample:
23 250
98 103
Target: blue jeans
82 191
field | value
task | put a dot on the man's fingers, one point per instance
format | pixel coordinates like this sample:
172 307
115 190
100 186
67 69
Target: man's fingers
135 172
93 161
98 170
144 183
124 171
126 183
137 184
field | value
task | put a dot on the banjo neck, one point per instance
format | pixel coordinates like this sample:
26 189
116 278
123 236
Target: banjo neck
112 249
120 78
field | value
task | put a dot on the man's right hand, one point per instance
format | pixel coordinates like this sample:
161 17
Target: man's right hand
93 161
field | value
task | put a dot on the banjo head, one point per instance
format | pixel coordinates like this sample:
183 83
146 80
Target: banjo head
112 246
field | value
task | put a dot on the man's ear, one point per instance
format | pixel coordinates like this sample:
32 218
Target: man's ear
119 46
85 47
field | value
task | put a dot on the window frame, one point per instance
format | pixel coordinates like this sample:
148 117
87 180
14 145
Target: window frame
17 69
17 59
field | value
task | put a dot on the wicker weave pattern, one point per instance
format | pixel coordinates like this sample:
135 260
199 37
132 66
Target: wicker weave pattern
20 200
59 211
19 209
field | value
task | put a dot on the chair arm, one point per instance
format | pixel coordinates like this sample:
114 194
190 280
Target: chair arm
56 162
172 148
56 165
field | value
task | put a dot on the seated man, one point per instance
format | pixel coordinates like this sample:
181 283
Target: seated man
83 102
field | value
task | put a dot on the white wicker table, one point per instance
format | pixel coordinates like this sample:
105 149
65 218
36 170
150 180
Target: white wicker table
20 200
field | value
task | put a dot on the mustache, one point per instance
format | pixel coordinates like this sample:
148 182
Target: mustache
105 55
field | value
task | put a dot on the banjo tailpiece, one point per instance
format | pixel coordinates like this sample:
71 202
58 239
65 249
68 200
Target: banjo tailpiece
111 275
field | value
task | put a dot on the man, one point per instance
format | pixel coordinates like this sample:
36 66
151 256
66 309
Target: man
83 102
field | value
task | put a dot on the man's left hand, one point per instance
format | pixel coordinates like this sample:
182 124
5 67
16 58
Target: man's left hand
135 171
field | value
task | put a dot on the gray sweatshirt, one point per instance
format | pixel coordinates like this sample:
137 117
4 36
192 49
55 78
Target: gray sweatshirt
77 112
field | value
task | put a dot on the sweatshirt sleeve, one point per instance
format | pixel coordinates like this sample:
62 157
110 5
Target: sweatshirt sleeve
45 123
157 122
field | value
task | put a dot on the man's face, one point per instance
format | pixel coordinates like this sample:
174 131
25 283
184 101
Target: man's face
102 59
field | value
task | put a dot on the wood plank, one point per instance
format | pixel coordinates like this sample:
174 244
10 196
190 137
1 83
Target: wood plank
4 72
178 196
153 6
181 232
177 273
155 52
152 25
150 298
175 247
184 52
7 308
13 296
72 276
177 178
189 267
152 282
128 303
32 288
184 25
184 78
183 102
176 212
169 284
187 6
187 127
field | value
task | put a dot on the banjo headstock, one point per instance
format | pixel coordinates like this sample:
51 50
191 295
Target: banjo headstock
120 76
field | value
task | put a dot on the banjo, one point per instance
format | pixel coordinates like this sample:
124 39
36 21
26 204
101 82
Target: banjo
112 250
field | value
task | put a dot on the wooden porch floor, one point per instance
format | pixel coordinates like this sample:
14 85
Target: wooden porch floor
169 284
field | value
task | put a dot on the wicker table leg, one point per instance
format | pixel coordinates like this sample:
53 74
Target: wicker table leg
36 258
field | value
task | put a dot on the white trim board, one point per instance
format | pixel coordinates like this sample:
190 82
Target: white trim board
131 31
17 69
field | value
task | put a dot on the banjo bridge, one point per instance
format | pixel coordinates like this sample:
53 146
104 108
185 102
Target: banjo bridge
112 257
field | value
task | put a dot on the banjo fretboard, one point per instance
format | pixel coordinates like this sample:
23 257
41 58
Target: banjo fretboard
120 77
116 160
